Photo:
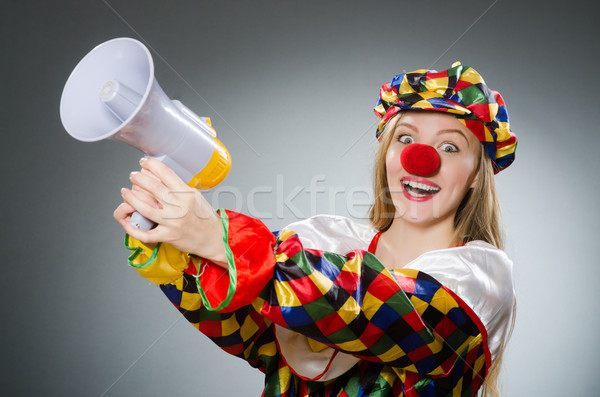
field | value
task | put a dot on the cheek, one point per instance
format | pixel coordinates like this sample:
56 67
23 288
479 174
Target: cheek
392 161
468 172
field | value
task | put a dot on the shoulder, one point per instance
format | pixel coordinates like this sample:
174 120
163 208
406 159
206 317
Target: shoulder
478 261
481 275
333 233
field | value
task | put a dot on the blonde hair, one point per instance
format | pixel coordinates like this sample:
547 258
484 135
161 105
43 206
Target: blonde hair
382 212
478 218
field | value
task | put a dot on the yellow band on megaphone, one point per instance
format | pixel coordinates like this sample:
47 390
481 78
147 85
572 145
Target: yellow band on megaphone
215 171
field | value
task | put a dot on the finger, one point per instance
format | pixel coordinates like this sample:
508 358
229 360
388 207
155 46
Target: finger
138 187
132 198
123 212
148 183
146 196
162 172
149 173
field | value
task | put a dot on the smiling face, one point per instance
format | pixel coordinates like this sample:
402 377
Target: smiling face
431 197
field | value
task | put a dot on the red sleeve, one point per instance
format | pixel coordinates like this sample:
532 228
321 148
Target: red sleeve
249 247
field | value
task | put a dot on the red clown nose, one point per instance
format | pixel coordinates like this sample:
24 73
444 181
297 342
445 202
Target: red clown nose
419 159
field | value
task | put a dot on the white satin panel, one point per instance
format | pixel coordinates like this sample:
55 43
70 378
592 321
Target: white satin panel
333 233
480 274
299 356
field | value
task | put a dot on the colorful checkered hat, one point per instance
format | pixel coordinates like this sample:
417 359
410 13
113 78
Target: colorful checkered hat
461 91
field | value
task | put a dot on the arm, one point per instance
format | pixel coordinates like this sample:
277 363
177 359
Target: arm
405 319
351 303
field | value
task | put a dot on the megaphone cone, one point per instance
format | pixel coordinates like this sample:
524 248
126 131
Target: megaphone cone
112 93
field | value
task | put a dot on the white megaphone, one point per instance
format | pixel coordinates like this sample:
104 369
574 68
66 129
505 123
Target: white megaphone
112 93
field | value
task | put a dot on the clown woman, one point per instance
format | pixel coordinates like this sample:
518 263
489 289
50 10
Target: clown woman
417 303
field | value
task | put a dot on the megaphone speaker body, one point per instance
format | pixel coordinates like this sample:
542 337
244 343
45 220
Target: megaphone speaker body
112 93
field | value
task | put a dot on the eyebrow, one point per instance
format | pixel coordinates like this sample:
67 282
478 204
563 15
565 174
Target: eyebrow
412 127
440 132
453 130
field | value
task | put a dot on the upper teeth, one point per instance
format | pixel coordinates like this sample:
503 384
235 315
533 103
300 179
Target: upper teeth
421 186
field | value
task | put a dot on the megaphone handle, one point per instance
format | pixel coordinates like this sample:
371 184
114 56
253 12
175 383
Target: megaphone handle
138 221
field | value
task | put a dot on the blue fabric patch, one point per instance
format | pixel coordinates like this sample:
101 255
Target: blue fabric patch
296 316
172 293
384 316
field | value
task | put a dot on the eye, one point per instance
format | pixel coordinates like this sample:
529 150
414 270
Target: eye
449 147
406 139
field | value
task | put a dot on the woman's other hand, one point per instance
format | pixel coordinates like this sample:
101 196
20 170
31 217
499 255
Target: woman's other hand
185 219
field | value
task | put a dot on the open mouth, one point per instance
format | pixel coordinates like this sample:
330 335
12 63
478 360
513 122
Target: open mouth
418 189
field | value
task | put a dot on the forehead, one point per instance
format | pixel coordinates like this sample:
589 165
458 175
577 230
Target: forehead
429 119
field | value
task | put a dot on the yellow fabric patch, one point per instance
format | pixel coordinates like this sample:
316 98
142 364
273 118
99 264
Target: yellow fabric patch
392 354
471 76
442 301
405 88
285 293
468 344
316 346
320 281
268 349
258 304
349 310
229 326
389 96
190 302
179 283
479 363
281 257
493 109
370 305
388 374
423 105
437 344
419 304
506 150
503 131
401 374
438 85
354 265
285 378
285 234
158 263
248 328
352 346
412 273
488 135
456 392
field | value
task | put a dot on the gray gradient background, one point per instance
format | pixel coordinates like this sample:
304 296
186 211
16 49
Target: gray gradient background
290 87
